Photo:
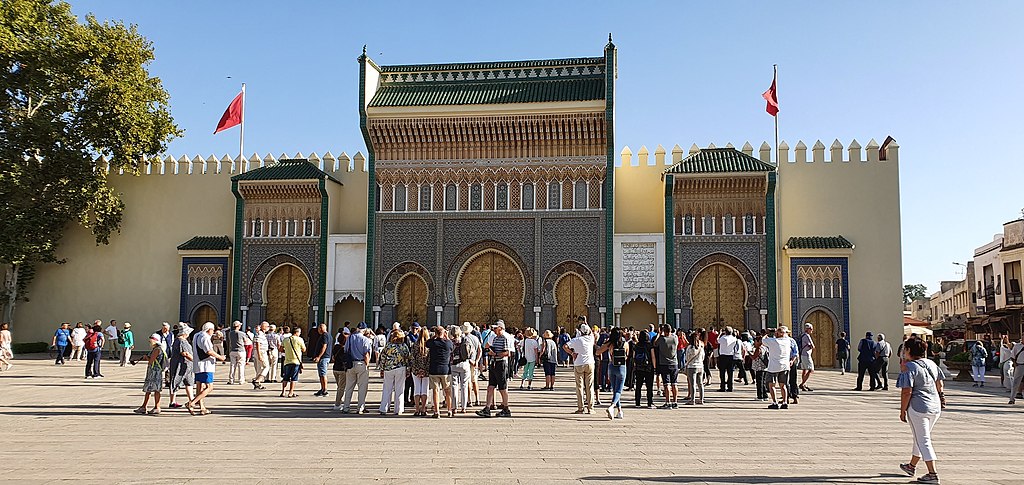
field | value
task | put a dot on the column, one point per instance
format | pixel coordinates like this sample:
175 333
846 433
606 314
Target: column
618 319
330 322
316 315
764 319
376 316
678 313
602 310
439 310
245 312
536 318
661 318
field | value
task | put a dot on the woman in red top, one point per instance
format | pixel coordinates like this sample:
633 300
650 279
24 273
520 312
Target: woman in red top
93 347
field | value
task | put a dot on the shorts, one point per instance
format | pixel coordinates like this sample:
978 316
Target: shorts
781 377
321 367
668 373
419 385
497 375
806 363
549 369
440 382
290 373
204 377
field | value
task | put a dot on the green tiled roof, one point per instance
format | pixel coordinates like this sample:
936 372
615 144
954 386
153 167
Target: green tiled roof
490 92
716 160
819 242
206 243
286 169
463 66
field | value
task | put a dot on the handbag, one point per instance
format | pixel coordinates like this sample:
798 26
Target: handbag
292 343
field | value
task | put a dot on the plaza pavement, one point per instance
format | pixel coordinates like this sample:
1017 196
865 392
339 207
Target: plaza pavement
56 427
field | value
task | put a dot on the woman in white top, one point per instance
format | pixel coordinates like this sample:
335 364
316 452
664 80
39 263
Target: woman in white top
1005 365
529 346
694 365
5 346
78 342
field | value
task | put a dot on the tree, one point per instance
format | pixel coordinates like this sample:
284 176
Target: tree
71 96
914 292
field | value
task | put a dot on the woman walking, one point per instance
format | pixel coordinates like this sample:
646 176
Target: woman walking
182 373
6 354
154 385
693 362
643 367
921 402
978 357
530 351
619 348
93 347
78 342
549 358
759 365
394 364
420 371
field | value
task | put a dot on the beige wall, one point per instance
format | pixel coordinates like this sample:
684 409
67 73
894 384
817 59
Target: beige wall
857 196
640 193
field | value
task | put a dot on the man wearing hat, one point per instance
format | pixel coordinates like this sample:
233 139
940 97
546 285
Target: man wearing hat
806 360
865 361
126 340
497 349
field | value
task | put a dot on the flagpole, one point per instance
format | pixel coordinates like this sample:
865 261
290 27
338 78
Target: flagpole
775 78
241 129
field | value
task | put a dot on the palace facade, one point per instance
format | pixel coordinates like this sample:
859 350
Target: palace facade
496 191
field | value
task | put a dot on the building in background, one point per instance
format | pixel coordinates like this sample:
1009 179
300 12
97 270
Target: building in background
997 283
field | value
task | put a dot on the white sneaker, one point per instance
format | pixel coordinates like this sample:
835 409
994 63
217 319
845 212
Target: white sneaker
336 408
611 412
619 416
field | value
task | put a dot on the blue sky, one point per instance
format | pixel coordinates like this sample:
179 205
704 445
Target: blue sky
943 78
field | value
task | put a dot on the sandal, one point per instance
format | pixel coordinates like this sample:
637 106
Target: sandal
154 412
191 408
206 411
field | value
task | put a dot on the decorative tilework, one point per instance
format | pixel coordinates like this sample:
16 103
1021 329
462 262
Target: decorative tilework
548 288
802 307
459 263
219 302
396 274
748 249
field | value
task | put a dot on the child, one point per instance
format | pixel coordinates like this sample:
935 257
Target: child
154 384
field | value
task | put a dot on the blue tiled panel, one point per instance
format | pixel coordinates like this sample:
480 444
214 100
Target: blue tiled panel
183 307
843 263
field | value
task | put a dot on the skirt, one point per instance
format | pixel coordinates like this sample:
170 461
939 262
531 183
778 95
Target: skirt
154 380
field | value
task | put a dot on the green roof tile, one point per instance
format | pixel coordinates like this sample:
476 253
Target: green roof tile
489 92
286 169
206 243
463 66
819 242
717 160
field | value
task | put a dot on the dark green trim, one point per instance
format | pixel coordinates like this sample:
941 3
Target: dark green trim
236 277
609 186
720 160
371 196
206 243
466 66
773 277
670 253
819 242
324 203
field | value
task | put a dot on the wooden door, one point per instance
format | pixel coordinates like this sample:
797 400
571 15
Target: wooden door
412 300
718 296
204 314
824 338
288 295
491 288
570 299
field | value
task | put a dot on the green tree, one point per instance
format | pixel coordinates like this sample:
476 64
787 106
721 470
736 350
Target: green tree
71 93
913 292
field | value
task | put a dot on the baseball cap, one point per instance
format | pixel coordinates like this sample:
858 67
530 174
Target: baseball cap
362 326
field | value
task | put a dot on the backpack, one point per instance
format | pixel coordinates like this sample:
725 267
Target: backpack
120 337
642 357
462 353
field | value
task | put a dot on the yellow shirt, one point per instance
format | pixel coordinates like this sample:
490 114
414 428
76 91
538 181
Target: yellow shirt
293 348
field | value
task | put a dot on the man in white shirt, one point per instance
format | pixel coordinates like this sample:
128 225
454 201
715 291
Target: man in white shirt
727 349
273 353
110 341
1017 357
475 347
780 359
882 352
806 362
259 356
204 364
581 349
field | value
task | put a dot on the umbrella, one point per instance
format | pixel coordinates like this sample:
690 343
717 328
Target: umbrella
912 330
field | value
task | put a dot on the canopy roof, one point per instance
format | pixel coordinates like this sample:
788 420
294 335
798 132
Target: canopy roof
286 169
720 160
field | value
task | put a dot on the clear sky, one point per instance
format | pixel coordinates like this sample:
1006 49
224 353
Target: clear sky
943 78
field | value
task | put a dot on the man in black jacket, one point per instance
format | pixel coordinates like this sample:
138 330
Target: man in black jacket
865 361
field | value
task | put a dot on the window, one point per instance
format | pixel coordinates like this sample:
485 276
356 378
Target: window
730 224
308 226
451 197
580 195
709 225
273 228
678 226
291 227
400 195
424 197
838 286
475 197
688 224
554 195
501 199
377 197
528 197
258 228
748 224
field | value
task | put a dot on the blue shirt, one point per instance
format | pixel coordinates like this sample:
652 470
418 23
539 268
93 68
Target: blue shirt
62 335
794 349
358 346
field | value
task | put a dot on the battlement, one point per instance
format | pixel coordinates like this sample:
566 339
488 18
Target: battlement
198 165
887 152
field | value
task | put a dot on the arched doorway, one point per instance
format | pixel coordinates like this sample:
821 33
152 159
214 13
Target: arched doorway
570 299
350 309
411 300
718 294
205 313
491 288
824 338
638 313
287 295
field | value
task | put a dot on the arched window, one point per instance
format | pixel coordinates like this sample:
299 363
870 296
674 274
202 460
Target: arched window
580 195
257 230
475 197
425 197
748 224
554 195
291 227
309 226
678 225
688 224
800 288
501 197
808 288
837 284
730 224
451 197
528 197
273 227
709 225
400 194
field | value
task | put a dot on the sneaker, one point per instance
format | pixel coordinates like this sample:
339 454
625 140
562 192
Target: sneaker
579 411
504 413
675 405
773 405
619 415
436 416
364 411
929 478
175 405
484 413
336 408
610 410
784 406
974 385
94 377
908 469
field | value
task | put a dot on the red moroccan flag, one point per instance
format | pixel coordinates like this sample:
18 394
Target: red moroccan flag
772 97
233 115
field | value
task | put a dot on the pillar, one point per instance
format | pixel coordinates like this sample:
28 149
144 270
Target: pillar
764 319
678 314
536 318
439 310
376 316
603 311
330 322
245 314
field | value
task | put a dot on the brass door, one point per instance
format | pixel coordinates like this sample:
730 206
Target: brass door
824 338
491 288
570 299
412 300
288 297
204 314
718 294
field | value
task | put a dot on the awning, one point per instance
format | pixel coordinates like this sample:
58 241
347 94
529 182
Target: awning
915 330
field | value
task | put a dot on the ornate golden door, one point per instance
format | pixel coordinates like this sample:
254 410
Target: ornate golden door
718 294
412 300
491 288
570 299
204 314
824 338
288 297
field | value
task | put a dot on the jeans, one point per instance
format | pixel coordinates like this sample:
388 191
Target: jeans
92 363
604 381
862 367
978 373
394 388
695 383
921 427
883 372
644 377
842 359
60 354
794 381
761 384
617 373
584 376
460 385
236 372
357 375
725 370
